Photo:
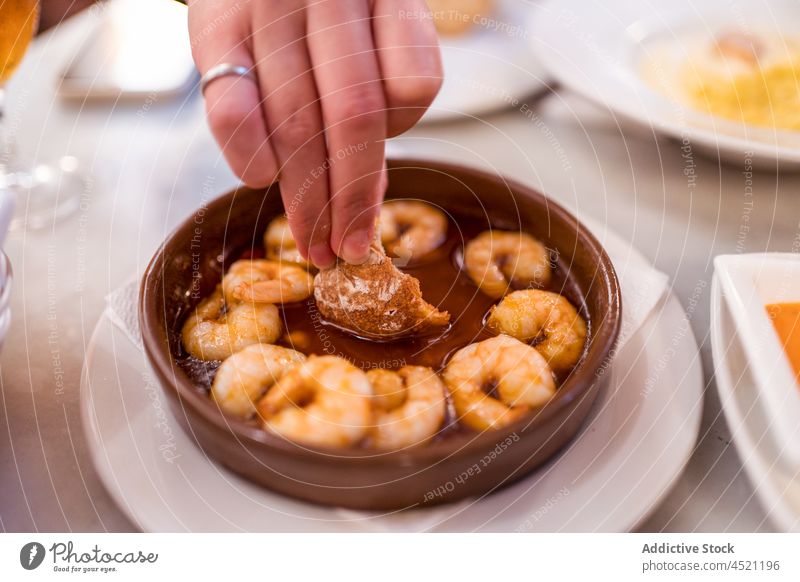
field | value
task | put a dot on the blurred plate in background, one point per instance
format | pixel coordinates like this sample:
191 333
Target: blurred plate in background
597 49
139 49
490 65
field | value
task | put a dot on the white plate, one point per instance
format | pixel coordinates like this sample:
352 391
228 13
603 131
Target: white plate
489 66
777 486
749 282
634 445
595 48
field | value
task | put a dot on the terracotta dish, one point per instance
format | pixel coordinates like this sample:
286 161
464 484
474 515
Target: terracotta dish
189 265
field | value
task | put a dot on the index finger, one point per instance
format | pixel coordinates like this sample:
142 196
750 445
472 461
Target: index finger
348 79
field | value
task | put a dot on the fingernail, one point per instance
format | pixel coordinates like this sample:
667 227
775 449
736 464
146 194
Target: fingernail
322 256
355 248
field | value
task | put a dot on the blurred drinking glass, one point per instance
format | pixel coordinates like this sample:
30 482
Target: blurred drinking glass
43 193
5 296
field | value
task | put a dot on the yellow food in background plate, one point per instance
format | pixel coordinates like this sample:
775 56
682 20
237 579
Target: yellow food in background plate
453 17
749 78
755 82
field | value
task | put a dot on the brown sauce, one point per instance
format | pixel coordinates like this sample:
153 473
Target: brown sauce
444 284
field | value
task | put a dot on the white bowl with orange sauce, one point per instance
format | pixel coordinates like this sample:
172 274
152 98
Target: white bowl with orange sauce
762 295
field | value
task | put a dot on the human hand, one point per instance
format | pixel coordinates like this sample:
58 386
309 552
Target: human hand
335 79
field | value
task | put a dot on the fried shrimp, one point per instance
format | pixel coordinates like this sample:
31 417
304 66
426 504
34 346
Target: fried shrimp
408 406
324 401
546 318
410 229
265 281
517 373
245 376
280 245
214 332
497 260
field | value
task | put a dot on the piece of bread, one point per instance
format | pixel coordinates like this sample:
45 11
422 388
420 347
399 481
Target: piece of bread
375 300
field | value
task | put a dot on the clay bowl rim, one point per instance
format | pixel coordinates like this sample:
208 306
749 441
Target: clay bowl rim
173 378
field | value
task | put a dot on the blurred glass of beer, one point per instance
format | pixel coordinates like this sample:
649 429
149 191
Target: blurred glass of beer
18 20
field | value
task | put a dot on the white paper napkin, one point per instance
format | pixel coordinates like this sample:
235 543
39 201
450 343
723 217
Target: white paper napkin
642 288
122 308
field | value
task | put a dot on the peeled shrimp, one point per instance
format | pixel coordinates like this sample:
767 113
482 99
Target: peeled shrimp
517 372
245 376
214 333
546 318
409 406
497 260
280 244
265 281
410 229
324 401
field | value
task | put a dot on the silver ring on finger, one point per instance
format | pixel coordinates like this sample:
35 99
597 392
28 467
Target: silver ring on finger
225 70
